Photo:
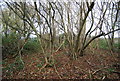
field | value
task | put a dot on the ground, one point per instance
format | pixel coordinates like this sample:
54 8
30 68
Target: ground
95 64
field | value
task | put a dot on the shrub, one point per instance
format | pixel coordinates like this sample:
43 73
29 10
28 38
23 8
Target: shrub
117 46
0 40
10 44
103 44
32 46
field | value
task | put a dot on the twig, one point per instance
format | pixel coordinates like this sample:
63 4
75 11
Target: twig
98 70
57 72
81 69
103 77
90 63
90 74
43 66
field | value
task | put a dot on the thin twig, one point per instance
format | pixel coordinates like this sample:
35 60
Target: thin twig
57 72
98 70
43 66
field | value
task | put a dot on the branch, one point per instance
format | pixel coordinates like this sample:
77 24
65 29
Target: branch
82 25
43 17
102 34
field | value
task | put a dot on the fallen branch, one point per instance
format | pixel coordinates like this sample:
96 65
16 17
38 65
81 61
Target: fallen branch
57 72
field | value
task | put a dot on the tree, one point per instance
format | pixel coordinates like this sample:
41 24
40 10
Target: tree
70 18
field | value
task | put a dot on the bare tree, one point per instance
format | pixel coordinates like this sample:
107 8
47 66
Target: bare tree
69 18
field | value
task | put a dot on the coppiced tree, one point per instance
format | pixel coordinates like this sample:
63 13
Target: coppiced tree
111 22
66 22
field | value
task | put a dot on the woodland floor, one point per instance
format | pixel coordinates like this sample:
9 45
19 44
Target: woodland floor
96 64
